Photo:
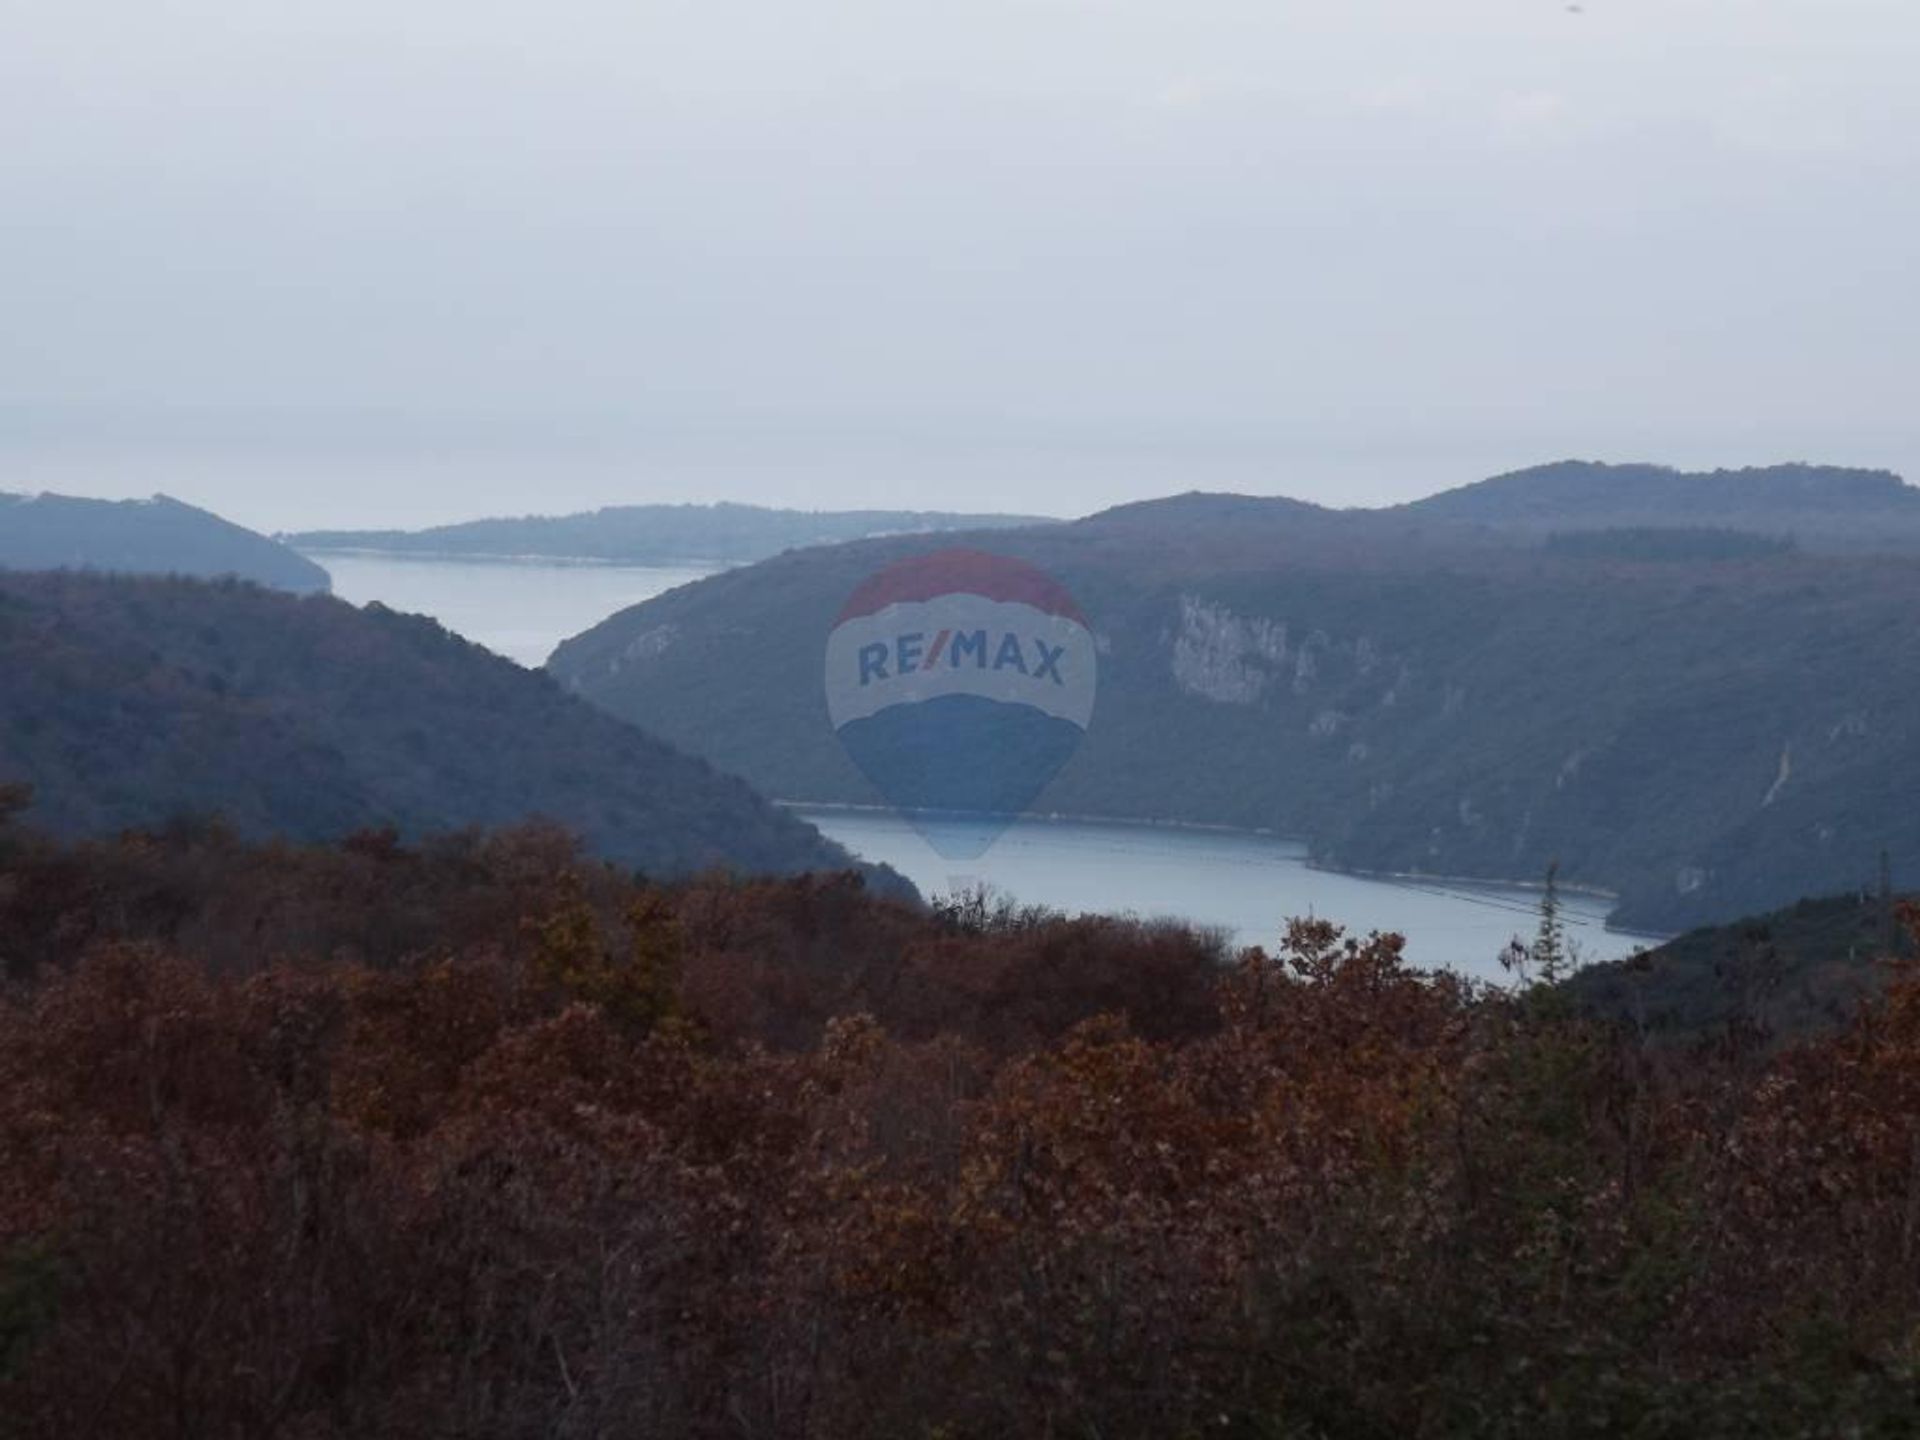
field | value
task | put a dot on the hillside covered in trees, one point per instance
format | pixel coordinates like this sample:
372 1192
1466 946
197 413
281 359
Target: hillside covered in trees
144 537
131 702
1817 506
1806 967
484 1138
651 534
1706 727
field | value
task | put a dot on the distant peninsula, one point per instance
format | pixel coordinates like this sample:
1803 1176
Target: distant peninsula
651 534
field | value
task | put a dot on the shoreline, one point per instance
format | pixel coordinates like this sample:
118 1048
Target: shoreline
1399 877
1050 817
463 557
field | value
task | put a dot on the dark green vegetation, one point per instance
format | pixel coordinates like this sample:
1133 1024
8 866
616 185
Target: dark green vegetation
1807 967
129 702
144 537
486 1140
1677 544
1708 738
1820 506
652 534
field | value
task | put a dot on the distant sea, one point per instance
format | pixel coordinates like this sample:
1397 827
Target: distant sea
1245 885
521 609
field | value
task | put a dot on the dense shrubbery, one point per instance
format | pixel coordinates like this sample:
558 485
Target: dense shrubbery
1798 970
485 1140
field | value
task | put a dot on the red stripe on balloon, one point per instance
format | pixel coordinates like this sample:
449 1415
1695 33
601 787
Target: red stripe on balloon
961 572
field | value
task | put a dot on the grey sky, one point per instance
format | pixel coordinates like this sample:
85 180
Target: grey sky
352 261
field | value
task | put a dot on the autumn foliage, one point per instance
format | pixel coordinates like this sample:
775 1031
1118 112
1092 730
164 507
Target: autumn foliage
483 1139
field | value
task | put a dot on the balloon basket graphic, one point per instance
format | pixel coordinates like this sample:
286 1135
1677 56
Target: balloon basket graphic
960 683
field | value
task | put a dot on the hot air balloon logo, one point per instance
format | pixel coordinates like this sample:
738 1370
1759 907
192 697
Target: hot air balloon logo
960 682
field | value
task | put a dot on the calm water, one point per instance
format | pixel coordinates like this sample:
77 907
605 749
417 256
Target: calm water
517 608
1245 884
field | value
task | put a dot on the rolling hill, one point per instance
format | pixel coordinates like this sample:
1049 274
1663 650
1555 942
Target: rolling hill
1818 506
144 537
1705 737
1808 966
129 702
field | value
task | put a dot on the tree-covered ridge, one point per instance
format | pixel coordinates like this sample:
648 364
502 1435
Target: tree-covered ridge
1817 507
1707 737
1827 506
1805 967
652 534
144 537
482 1139
1674 544
128 702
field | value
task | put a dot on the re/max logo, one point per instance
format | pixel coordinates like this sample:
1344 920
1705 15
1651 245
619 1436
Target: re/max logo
913 653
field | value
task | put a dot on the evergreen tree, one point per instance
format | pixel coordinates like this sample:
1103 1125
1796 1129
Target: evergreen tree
1549 954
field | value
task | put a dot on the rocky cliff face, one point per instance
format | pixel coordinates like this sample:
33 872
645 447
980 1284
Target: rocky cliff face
1227 658
1365 710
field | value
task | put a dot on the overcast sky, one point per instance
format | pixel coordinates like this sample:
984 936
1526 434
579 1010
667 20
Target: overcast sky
395 261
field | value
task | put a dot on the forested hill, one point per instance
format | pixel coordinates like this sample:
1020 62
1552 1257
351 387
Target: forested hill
129 702
652 534
1706 737
1817 505
1807 967
144 537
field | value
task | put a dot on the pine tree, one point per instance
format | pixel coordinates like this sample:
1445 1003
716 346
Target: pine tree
1549 955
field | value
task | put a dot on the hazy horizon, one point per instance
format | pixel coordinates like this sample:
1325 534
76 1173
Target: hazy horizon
350 265
458 491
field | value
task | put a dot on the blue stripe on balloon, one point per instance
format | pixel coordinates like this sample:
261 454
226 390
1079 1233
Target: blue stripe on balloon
961 754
